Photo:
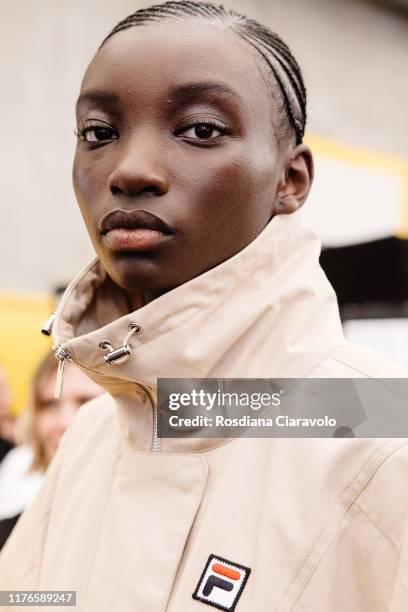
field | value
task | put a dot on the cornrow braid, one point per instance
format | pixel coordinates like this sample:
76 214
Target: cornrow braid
281 64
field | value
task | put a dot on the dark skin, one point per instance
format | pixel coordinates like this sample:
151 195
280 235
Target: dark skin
193 142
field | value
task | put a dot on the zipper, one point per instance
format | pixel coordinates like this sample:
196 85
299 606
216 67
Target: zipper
63 355
156 440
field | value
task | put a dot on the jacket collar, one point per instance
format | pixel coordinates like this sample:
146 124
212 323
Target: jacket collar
268 311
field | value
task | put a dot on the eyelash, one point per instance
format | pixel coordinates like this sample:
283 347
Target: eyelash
208 122
82 131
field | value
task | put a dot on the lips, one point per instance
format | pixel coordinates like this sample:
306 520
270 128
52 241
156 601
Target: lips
134 230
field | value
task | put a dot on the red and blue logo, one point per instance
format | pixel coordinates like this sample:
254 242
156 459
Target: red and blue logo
221 583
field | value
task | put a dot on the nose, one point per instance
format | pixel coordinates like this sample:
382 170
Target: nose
66 413
139 169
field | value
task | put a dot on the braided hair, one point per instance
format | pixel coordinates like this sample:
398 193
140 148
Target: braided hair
280 63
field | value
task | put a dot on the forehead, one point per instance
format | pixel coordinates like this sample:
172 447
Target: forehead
157 58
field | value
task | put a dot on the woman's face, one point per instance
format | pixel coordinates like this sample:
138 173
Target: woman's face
54 415
177 165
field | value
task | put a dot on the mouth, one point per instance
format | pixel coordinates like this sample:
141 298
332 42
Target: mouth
134 230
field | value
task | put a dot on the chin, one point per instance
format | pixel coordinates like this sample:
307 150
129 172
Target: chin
138 272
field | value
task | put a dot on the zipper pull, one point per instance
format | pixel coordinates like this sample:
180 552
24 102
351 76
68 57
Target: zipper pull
59 383
62 354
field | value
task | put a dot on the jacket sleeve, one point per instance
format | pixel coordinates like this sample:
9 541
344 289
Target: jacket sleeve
21 556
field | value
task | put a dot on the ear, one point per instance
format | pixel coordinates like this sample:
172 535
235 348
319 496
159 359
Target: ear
296 181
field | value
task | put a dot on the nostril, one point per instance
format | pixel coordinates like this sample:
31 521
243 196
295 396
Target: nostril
150 190
135 191
115 190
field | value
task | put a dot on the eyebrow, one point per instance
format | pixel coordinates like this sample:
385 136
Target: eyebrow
180 95
183 94
97 96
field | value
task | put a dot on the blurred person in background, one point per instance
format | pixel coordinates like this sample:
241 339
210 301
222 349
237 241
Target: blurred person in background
39 429
6 418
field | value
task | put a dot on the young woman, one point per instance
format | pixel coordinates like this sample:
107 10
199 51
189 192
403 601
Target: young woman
38 432
190 172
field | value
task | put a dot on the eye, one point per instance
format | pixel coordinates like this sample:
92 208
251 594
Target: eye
202 130
49 405
96 133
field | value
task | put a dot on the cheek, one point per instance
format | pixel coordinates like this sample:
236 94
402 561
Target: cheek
88 179
234 184
46 424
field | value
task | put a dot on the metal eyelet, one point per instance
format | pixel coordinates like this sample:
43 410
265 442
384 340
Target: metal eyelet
105 345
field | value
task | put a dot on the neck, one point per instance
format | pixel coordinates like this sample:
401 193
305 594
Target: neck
137 299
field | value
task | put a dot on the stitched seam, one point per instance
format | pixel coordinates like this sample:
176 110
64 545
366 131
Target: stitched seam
394 545
140 346
328 356
365 375
380 381
223 296
172 578
310 375
350 366
96 540
340 506
377 462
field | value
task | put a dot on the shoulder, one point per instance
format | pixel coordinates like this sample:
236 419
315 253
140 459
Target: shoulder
17 460
350 360
17 485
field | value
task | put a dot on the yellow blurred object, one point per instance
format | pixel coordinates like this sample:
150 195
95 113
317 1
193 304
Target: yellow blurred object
22 345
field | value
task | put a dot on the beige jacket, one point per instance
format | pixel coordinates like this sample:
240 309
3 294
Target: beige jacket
129 521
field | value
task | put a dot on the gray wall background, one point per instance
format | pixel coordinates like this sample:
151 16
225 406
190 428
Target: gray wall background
354 55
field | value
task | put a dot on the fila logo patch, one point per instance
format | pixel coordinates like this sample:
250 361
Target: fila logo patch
221 583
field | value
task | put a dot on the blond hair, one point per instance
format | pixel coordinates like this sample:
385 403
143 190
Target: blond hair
26 428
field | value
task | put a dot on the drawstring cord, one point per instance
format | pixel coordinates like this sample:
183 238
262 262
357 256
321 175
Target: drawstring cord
121 354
